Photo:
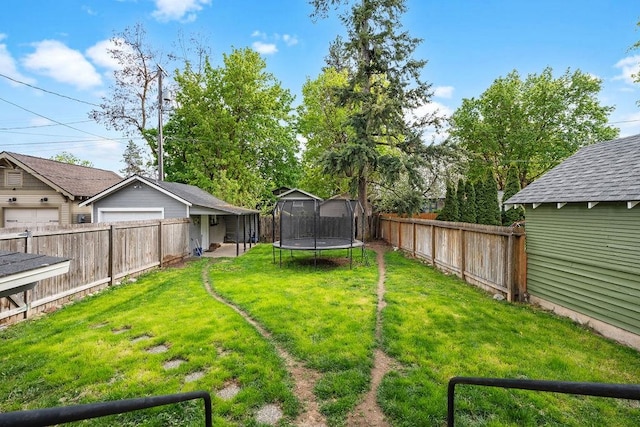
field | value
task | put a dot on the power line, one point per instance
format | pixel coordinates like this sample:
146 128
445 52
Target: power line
42 126
48 91
52 120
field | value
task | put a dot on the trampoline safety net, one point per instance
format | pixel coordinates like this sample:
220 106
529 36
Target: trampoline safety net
312 224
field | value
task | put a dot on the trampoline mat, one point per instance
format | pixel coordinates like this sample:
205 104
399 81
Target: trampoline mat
318 244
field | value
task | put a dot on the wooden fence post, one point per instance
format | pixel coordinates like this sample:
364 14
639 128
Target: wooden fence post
160 246
510 266
112 261
462 254
415 239
433 245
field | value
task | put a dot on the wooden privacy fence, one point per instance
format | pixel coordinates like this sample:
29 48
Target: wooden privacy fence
100 255
490 257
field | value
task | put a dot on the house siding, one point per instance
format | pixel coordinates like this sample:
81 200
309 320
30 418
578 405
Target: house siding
587 260
143 197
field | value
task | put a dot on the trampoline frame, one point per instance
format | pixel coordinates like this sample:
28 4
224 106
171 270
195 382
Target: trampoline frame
317 244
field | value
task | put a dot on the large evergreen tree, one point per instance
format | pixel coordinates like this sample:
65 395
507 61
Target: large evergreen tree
134 163
383 85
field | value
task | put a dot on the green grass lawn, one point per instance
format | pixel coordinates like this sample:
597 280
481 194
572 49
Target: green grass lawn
323 315
436 326
88 352
439 327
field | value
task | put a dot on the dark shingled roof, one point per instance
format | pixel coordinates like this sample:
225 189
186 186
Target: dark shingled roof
603 172
72 180
197 196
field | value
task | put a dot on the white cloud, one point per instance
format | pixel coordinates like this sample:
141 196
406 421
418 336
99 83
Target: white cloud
178 10
8 65
438 110
628 66
54 59
99 54
290 40
89 11
443 92
265 48
40 121
269 45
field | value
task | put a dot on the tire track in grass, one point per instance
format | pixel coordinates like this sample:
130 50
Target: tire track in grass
368 413
304 378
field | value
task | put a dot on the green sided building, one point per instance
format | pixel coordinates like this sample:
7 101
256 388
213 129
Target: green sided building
583 238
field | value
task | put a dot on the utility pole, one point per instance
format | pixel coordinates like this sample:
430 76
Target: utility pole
160 137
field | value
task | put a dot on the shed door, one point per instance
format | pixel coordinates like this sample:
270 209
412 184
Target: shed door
30 217
129 215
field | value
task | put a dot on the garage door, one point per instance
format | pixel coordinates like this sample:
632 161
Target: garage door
113 215
25 218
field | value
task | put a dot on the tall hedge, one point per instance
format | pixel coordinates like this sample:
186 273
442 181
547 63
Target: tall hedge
470 212
450 210
487 200
512 186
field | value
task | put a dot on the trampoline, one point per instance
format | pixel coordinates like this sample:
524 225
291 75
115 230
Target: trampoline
307 223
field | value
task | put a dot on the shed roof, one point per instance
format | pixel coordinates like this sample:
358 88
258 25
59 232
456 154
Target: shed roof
74 181
297 194
188 194
604 172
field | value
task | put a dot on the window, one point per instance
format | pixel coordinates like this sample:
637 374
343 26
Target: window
13 179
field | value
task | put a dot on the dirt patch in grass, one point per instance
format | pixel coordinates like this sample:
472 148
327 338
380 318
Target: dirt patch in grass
368 412
325 263
304 378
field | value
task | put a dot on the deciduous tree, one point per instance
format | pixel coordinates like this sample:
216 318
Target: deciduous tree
131 103
530 124
232 133
322 122
72 159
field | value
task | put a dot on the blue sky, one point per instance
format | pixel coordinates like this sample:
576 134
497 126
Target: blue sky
60 46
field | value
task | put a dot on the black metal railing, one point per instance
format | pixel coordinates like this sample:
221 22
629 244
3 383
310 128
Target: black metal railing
618 391
67 414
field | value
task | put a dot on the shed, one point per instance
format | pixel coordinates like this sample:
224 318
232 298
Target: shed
212 220
583 238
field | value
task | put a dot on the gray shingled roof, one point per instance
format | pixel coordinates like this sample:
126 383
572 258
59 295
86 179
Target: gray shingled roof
603 172
198 197
73 180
